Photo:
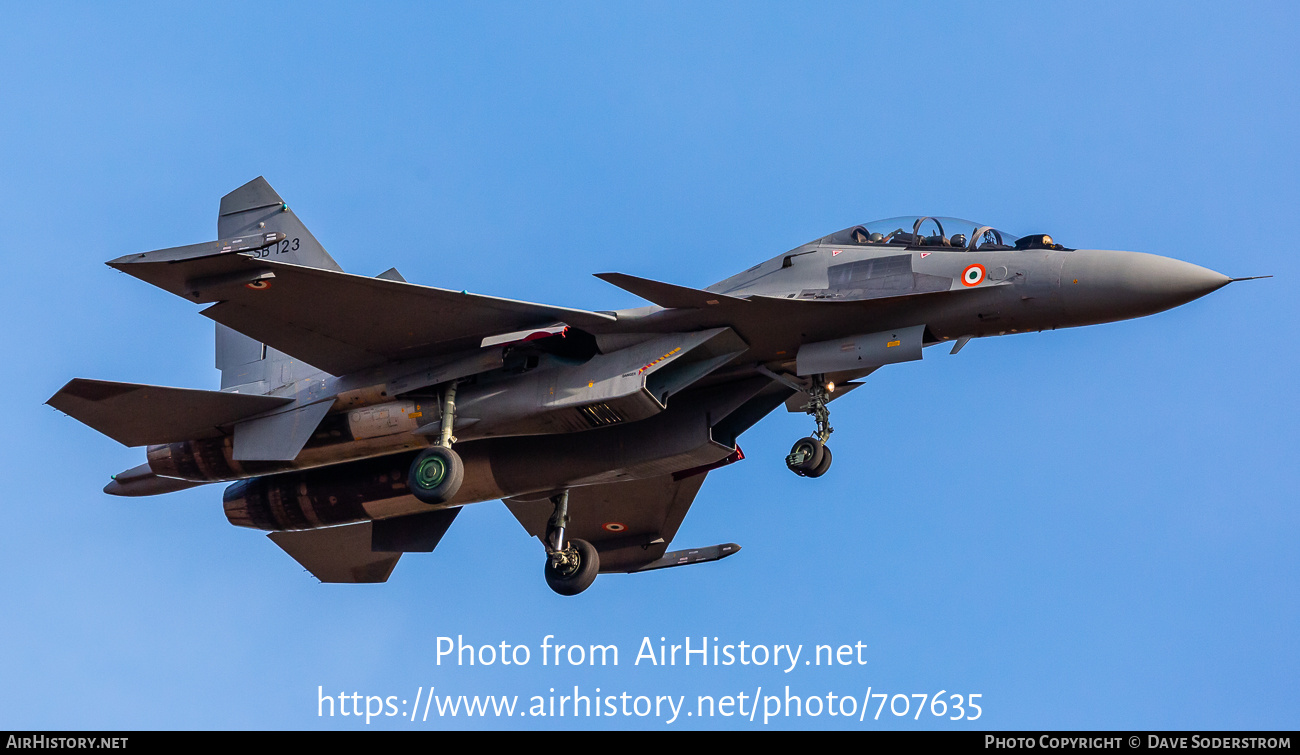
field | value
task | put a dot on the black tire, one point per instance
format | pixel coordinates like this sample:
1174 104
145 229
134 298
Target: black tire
823 465
812 450
577 578
435 475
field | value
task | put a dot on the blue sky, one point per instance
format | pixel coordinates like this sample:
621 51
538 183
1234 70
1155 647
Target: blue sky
1094 528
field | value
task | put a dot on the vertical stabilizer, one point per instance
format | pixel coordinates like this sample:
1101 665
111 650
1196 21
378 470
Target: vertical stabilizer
251 208
252 366
256 207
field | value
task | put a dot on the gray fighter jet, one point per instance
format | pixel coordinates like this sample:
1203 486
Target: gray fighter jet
357 415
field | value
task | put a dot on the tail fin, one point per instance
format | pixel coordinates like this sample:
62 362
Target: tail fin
251 365
252 208
255 207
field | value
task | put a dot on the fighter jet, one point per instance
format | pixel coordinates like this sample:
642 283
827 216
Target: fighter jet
357 415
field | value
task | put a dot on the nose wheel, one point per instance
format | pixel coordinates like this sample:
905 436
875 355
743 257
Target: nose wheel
811 457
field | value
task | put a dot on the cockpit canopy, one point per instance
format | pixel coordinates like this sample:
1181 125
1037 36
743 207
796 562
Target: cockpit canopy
952 234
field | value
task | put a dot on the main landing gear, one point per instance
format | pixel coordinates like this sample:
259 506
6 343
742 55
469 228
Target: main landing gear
811 457
570 567
437 472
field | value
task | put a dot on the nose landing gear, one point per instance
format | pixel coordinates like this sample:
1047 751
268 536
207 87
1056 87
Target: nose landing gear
437 472
811 457
571 567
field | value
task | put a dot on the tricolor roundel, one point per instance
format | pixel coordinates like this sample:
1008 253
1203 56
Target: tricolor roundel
973 275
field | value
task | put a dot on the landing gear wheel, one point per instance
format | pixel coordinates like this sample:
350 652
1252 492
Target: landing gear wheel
435 475
804 456
822 465
573 571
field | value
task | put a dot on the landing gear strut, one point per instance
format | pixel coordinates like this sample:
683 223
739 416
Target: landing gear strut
570 567
811 457
437 472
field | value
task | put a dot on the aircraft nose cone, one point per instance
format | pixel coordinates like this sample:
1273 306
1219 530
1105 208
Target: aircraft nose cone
1102 286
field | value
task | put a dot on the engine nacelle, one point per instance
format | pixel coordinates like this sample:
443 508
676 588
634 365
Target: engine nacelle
376 488
313 498
365 432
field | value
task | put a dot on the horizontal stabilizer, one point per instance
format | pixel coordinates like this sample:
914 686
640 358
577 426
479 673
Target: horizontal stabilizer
668 295
338 554
413 533
693 556
338 322
138 415
236 245
365 552
278 437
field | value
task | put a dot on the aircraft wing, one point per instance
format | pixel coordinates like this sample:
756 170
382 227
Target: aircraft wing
337 322
630 523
